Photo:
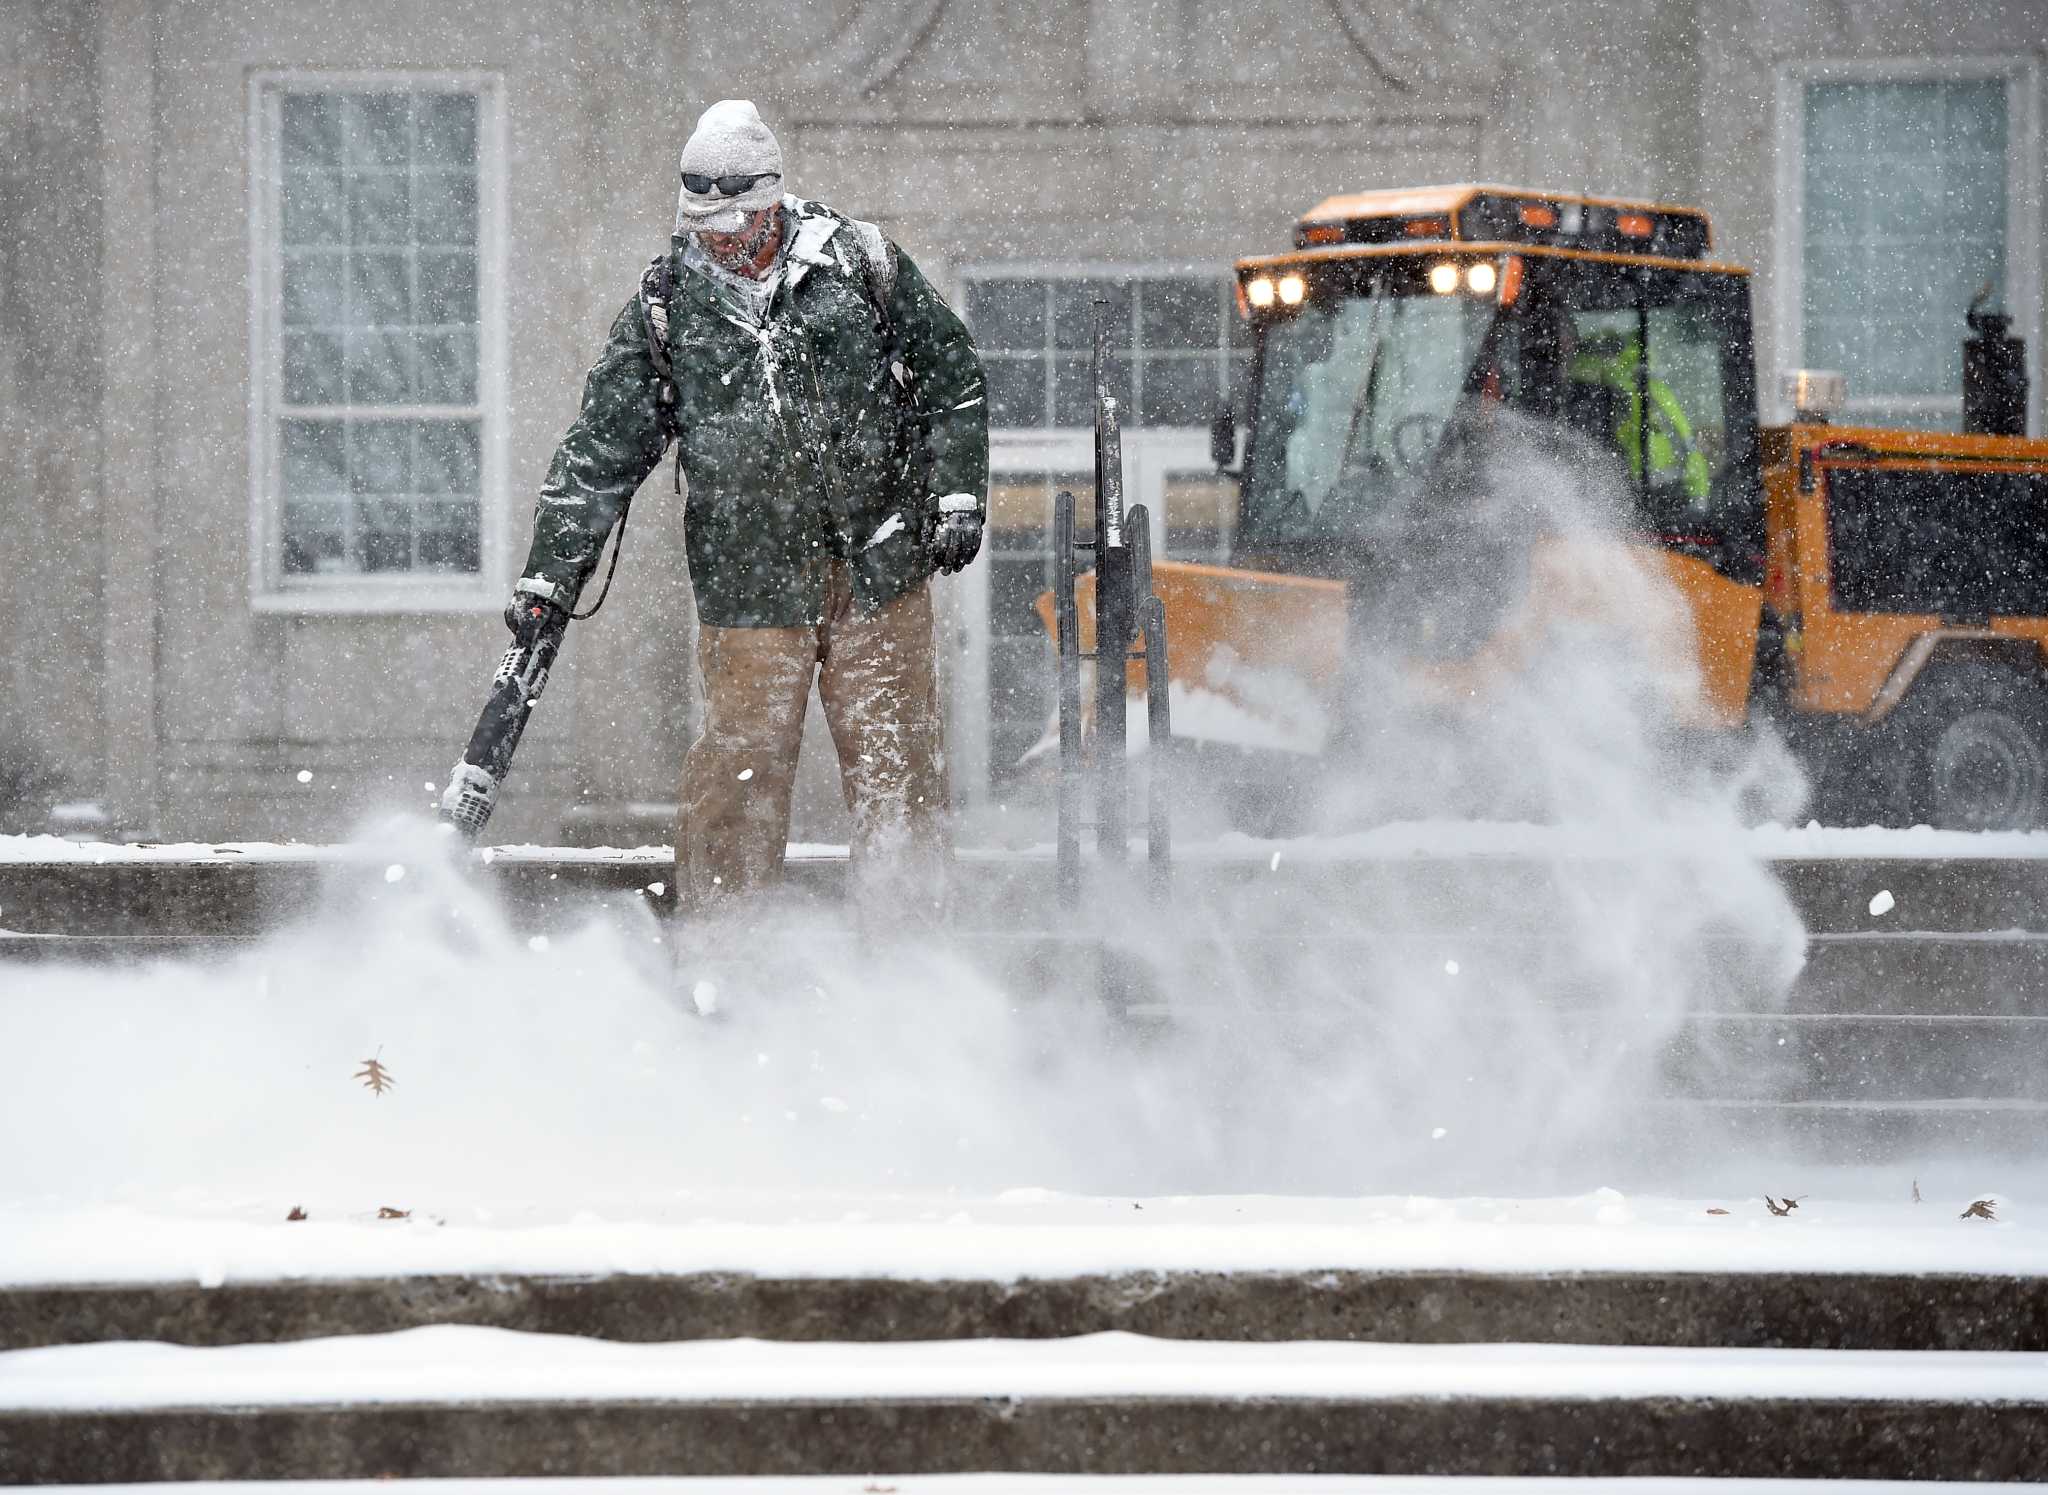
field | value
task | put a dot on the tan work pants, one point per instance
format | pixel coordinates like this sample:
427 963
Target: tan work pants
875 677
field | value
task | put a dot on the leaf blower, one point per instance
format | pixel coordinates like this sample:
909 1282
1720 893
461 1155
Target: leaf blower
472 791
537 629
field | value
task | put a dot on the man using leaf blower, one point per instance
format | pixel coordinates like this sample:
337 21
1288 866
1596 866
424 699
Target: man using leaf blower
830 424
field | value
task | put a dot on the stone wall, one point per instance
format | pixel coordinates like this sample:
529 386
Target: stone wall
52 586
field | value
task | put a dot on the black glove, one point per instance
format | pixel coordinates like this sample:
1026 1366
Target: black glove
956 540
526 615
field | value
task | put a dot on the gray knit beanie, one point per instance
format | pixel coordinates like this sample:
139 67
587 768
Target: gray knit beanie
729 140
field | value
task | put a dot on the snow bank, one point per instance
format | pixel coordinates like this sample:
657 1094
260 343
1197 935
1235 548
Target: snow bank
454 1363
1049 1483
1396 840
1020 1233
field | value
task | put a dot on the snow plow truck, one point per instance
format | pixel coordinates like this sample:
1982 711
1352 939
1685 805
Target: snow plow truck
1880 595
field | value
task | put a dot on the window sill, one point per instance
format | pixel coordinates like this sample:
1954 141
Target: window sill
381 599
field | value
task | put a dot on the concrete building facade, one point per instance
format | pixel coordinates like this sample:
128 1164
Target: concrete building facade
297 301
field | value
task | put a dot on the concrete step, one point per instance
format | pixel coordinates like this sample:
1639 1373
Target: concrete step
1860 1057
1848 1132
1763 1310
474 1402
223 892
1923 974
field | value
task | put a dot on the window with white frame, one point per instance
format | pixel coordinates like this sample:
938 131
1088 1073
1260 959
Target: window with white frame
1177 346
1909 199
375 409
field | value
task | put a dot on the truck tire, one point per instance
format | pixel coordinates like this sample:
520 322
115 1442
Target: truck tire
1973 748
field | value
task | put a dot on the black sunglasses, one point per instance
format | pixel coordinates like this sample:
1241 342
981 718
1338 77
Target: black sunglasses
728 186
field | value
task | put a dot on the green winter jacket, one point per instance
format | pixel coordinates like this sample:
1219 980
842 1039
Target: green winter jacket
798 444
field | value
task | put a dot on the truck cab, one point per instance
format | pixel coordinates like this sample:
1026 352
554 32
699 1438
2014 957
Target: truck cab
1881 596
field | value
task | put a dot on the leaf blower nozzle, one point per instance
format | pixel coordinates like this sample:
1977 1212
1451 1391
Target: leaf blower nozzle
468 800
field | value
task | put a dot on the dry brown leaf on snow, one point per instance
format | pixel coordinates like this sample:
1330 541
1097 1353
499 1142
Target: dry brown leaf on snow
1916 1191
298 1213
1783 1206
1717 1212
386 1212
1980 1209
375 1075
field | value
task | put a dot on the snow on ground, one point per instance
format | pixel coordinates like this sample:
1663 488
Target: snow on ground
1019 1234
459 1363
1397 840
1047 1483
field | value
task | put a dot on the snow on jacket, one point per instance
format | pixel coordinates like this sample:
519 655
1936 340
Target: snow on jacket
798 444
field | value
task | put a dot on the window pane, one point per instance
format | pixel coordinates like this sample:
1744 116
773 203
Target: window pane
1904 220
312 368
1021 504
315 538
447 288
448 457
444 207
385 530
1007 315
1201 511
378 368
315 459
1073 390
1180 391
311 139
448 537
316 503
382 291
315 290
448 368
1181 313
380 456
1016 391
377 129
1014 586
447 129
379 207
1073 311
314 207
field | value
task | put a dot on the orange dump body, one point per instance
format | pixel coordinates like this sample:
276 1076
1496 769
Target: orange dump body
1861 663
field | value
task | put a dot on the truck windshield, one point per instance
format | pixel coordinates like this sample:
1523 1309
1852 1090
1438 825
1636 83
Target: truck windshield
1355 394
1370 385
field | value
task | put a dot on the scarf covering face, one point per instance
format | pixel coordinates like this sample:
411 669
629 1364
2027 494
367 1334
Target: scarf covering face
748 296
729 140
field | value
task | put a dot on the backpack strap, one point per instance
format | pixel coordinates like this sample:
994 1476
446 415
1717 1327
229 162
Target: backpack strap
881 280
657 283
874 248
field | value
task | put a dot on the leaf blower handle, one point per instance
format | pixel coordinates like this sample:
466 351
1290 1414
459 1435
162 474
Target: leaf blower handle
537 625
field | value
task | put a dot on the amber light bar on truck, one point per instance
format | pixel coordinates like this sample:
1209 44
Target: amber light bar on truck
1257 292
1481 216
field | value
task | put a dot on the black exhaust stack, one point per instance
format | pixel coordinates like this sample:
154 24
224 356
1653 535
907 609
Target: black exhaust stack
1994 374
